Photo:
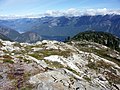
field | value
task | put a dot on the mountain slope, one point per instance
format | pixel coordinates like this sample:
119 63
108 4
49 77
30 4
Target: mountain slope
3 37
29 37
106 39
58 66
10 33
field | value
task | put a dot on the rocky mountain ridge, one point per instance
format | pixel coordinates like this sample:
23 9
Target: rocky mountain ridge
60 66
103 38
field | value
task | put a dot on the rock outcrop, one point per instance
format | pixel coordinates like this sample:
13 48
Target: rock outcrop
53 65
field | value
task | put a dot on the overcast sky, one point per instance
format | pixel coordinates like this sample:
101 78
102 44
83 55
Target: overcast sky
26 7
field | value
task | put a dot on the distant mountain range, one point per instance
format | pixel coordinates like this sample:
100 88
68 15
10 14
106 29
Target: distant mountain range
59 28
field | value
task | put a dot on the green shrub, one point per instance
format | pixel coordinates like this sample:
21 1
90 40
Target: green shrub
87 78
72 70
8 61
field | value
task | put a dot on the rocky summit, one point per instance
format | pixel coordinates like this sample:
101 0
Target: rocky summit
53 65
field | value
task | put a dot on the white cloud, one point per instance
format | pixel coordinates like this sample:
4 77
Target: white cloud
77 12
103 11
73 12
53 13
70 12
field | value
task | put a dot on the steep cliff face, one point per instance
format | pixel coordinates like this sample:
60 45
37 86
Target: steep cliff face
58 66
